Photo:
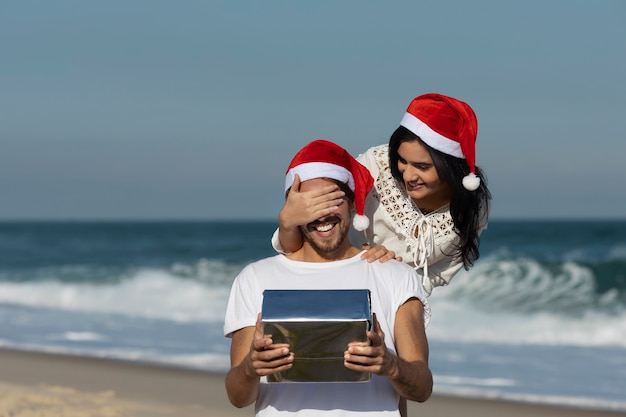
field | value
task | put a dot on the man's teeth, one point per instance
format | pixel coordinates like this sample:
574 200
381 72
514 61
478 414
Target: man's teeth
324 228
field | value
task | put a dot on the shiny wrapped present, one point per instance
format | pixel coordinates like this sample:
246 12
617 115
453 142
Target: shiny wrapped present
317 325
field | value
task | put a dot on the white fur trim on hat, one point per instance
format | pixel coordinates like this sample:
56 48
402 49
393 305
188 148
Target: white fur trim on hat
311 170
432 138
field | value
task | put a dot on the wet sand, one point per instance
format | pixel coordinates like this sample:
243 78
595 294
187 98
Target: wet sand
38 384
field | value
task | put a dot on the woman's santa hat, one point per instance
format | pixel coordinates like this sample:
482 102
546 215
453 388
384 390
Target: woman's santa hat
448 125
324 159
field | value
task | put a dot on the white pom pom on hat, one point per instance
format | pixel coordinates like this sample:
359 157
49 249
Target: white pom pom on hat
448 125
471 182
325 159
360 222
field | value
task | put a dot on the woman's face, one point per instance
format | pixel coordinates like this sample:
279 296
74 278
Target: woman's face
420 177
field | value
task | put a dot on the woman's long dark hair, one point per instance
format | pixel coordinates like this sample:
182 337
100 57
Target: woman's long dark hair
465 206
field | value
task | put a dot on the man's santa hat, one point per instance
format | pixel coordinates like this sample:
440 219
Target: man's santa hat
324 159
448 125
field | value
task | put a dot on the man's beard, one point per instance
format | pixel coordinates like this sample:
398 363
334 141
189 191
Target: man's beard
327 246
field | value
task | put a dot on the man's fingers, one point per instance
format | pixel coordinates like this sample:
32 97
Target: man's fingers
380 339
260 341
258 330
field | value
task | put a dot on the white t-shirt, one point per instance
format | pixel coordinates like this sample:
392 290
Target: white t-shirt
391 284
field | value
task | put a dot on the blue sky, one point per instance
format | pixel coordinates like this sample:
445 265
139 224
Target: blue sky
193 109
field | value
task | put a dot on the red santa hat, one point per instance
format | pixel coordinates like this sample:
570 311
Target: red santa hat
448 125
324 159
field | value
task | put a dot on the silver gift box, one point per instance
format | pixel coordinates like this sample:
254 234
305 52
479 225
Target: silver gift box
317 325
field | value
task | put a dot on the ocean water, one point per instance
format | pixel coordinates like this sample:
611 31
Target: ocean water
540 318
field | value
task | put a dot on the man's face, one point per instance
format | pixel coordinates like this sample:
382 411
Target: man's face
328 233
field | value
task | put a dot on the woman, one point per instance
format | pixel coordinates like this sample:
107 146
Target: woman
429 203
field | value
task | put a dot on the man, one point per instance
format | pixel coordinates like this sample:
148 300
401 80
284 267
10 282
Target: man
397 352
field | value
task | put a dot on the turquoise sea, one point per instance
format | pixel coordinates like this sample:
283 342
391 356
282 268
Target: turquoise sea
540 318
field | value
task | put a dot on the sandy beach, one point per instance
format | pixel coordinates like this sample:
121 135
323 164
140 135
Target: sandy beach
36 384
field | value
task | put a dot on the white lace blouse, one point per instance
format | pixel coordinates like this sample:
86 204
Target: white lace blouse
394 217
